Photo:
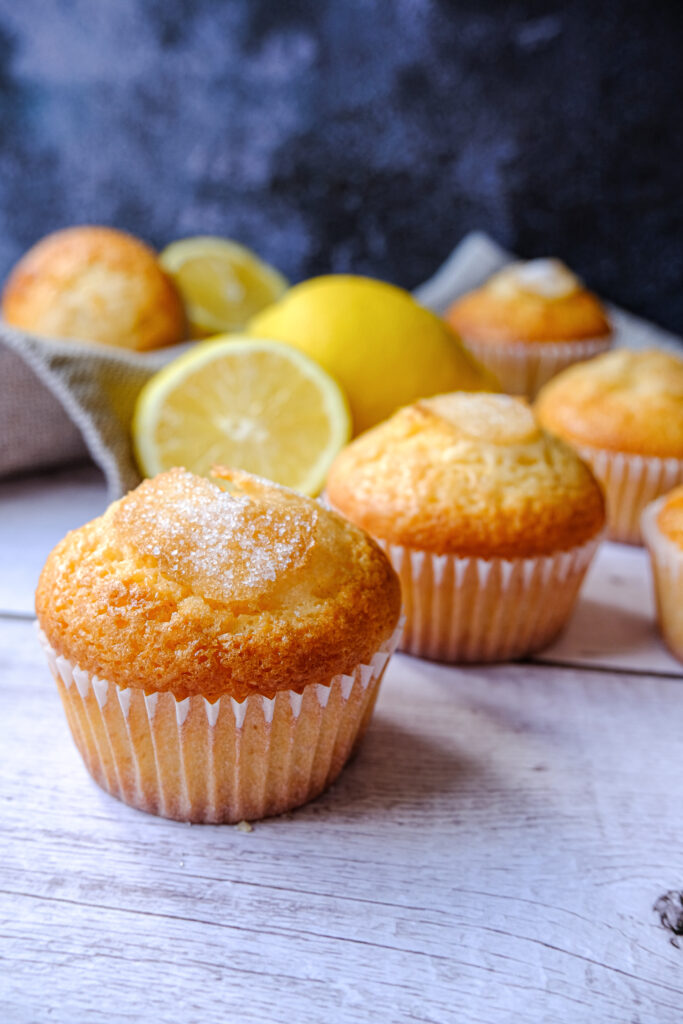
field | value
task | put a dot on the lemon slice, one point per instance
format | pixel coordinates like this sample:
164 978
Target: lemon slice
222 283
246 403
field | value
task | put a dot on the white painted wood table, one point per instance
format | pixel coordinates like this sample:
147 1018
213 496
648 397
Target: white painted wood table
492 855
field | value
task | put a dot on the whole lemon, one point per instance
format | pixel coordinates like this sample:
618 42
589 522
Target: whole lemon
381 346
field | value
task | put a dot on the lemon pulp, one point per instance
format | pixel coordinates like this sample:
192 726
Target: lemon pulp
252 404
222 283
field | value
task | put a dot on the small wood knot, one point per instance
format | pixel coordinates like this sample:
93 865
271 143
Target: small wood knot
670 910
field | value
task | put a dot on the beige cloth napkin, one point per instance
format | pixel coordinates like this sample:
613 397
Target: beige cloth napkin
62 400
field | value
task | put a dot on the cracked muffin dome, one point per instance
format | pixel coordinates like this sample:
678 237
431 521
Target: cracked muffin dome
539 300
234 587
95 284
622 401
470 475
529 321
623 413
490 522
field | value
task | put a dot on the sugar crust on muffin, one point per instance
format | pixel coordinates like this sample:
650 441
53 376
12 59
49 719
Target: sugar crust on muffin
187 587
95 284
622 401
467 474
535 301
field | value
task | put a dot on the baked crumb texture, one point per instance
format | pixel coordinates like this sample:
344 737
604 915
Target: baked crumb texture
218 648
95 284
624 401
490 522
470 475
662 526
539 301
623 412
529 322
186 587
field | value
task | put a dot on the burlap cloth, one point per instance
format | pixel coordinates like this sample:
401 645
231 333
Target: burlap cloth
61 401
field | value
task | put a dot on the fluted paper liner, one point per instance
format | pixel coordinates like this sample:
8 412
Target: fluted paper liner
666 559
630 482
475 609
523 367
217 762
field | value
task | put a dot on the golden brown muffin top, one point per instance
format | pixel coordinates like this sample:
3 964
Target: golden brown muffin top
622 401
467 474
94 284
534 301
670 517
184 585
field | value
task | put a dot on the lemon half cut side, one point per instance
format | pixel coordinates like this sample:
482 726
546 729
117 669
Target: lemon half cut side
222 283
247 403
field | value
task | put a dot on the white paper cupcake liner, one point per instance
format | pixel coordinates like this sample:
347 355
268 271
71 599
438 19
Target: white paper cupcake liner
223 761
630 482
523 367
666 559
479 610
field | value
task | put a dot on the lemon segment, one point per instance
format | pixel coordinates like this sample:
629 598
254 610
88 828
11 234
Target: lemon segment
246 403
222 283
383 348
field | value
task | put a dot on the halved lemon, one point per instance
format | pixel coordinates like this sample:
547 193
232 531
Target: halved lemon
222 283
248 403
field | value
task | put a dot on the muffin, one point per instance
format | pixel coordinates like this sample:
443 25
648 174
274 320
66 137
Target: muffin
490 522
94 284
662 527
218 648
529 321
623 413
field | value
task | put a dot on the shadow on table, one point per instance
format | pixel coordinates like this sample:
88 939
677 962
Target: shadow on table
397 772
598 630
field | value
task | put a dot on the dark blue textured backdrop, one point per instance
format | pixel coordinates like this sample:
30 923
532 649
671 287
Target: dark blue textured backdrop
363 135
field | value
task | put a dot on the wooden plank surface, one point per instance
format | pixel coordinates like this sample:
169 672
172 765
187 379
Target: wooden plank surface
492 855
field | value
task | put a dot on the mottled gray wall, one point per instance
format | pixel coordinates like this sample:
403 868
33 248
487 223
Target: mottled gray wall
363 135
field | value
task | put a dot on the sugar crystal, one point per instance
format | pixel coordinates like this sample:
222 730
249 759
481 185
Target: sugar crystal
226 546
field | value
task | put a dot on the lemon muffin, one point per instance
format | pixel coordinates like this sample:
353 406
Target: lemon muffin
94 284
529 321
623 412
217 647
662 527
489 521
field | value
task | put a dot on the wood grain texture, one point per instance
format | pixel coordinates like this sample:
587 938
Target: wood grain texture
492 855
